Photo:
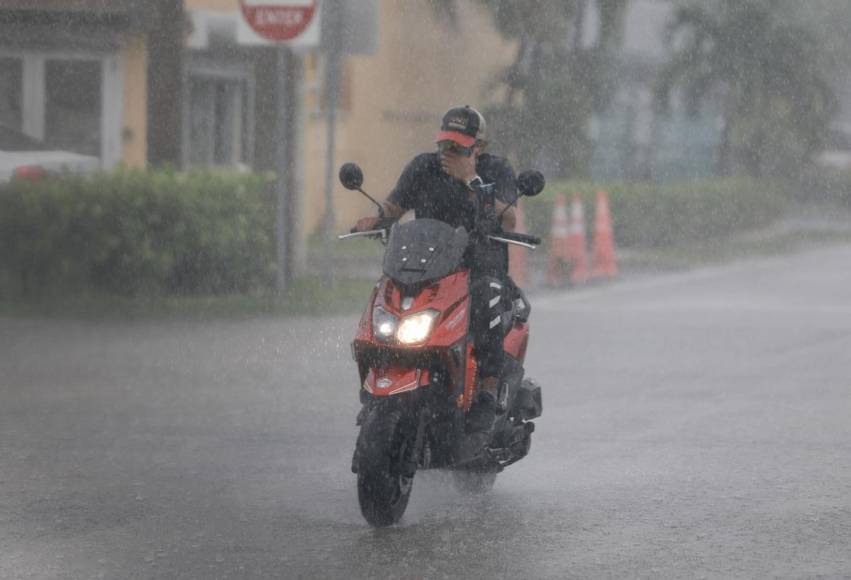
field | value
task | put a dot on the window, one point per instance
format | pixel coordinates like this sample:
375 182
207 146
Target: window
71 101
218 123
72 105
11 93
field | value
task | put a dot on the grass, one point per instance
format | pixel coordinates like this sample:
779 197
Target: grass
307 297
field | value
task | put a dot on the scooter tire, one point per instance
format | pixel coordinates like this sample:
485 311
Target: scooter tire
384 487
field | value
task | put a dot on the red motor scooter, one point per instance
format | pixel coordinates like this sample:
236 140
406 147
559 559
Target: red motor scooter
417 364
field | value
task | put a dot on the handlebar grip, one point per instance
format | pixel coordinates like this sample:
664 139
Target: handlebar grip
384 223
525 238
380 224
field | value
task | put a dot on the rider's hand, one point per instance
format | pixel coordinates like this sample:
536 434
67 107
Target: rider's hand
462 168
366 223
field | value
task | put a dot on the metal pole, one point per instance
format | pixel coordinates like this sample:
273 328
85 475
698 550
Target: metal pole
332 70
579 33
283 166
295 121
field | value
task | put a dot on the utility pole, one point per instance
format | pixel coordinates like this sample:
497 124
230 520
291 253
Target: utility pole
166 31
289 25
283 238
332 74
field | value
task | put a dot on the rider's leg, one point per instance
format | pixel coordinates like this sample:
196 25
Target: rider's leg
488 306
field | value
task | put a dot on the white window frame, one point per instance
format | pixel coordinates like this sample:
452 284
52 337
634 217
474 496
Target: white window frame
112 96
233 73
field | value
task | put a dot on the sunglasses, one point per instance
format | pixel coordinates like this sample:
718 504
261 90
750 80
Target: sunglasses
454 148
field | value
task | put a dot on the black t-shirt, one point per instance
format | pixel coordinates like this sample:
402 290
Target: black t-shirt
425 188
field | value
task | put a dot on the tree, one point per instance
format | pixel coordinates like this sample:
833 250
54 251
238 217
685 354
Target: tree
831 21
561 74
767 72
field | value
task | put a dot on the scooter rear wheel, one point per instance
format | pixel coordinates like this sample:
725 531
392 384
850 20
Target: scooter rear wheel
384 484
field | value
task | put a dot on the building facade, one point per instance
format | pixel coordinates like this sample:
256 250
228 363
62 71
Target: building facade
76 75
69 76
633 141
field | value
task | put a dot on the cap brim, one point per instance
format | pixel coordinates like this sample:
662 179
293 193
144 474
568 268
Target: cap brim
455 136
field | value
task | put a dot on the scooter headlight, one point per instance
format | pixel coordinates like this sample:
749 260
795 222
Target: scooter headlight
383 324
417 327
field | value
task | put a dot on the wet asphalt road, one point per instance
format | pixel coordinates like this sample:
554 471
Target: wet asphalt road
695 425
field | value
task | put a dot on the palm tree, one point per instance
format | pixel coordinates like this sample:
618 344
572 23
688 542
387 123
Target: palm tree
562 73
776 101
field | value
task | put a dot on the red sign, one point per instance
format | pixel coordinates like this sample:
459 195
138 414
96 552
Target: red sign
278 20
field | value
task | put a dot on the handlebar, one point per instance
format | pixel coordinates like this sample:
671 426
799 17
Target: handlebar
487 220
524 238
367 234
382 226
484 199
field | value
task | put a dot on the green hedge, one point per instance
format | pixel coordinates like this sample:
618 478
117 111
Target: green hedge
135 232
647 215
168 233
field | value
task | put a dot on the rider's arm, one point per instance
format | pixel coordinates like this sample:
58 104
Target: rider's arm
506 193
404 194
393 211
401 198
509 217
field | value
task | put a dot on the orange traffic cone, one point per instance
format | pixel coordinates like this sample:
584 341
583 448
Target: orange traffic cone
559 232
605 263
576 244
517 257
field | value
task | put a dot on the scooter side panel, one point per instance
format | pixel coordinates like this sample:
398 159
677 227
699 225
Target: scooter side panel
364 331
516 341
453 303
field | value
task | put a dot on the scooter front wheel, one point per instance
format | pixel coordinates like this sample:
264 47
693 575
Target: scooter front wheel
384 477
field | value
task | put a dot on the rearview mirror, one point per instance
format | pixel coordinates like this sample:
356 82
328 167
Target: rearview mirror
530 183
351 176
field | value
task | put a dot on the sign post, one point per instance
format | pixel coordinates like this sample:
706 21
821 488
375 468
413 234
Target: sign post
332 74
288 24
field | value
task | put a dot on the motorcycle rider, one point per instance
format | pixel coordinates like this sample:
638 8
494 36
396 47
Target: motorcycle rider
442 185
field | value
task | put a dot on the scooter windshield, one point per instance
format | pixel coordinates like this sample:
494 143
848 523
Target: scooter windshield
423 250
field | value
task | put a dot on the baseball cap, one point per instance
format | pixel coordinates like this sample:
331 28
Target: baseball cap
463 125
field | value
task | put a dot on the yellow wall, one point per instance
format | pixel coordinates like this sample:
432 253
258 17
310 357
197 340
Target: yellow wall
134 127
135 122
421 69
217 5
395 97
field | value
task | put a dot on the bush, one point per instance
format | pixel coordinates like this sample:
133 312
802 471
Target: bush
167 233
647 215
135 232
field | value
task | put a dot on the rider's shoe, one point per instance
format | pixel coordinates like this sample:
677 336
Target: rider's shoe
482 415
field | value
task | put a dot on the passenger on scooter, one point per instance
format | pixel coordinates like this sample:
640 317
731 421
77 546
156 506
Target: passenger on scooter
442 185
